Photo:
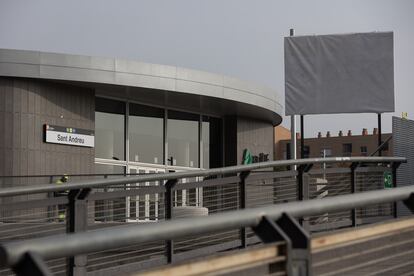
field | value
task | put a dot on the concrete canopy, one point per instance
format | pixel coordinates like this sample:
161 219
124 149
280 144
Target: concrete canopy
164 85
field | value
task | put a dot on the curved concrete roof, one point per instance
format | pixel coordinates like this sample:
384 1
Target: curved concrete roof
88 69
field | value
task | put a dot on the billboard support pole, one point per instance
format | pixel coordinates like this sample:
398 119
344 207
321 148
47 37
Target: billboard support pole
379 134
292 128
293 138
302 138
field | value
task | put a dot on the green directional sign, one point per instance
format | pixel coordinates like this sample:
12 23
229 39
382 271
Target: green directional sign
387 180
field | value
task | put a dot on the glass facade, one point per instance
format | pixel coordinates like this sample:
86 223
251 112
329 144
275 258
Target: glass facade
182 137
211 142
146 134
133 133
109 129
133 138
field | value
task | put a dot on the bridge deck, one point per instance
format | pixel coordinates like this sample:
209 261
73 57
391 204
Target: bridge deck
382 249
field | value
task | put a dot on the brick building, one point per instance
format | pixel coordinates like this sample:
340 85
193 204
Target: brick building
343 144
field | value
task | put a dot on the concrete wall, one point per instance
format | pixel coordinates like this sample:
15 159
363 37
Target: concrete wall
25 106
256 136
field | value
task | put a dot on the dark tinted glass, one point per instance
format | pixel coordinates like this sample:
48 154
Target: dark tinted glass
146 128
182 136
212 142
109 129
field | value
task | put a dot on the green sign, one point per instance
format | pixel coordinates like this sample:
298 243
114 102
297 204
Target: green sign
247 157
387 180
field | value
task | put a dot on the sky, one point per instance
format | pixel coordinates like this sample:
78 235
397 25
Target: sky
239 38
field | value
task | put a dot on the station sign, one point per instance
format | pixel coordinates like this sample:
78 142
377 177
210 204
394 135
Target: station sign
69 136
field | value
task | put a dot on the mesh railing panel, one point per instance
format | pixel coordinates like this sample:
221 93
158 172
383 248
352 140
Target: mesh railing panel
21 220
328 185
370 181
21 217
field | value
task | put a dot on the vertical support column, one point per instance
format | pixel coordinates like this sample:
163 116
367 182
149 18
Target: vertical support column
353 190
165 148
302 137
242 204
293 146
77 221
169 186
379 134
293 141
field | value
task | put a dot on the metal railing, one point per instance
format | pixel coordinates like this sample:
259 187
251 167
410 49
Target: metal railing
264 220
46 209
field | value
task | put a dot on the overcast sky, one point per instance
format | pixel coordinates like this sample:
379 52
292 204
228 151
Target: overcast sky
239 38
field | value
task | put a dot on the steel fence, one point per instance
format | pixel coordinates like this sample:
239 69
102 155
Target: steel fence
33 211
274 223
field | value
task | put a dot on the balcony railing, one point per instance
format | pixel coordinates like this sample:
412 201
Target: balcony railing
42 210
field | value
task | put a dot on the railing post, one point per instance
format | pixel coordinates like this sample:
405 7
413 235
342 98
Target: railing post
169 186
299 182
302 169
353 190
286 228
51 210
31 265
108 208
77 221
242 204
394 185
303 189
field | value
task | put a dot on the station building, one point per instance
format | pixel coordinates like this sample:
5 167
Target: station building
71 114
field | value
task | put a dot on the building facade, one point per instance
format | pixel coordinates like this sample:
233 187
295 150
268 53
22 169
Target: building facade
141 117
344 144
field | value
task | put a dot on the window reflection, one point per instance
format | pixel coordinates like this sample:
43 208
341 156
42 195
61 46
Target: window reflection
146 126
109 129
146 135
183 139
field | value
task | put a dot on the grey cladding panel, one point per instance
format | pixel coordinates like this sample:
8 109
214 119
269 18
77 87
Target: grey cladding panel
403 137
31 104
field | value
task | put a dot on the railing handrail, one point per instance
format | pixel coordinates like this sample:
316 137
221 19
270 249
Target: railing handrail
65 245
100 183
69 175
